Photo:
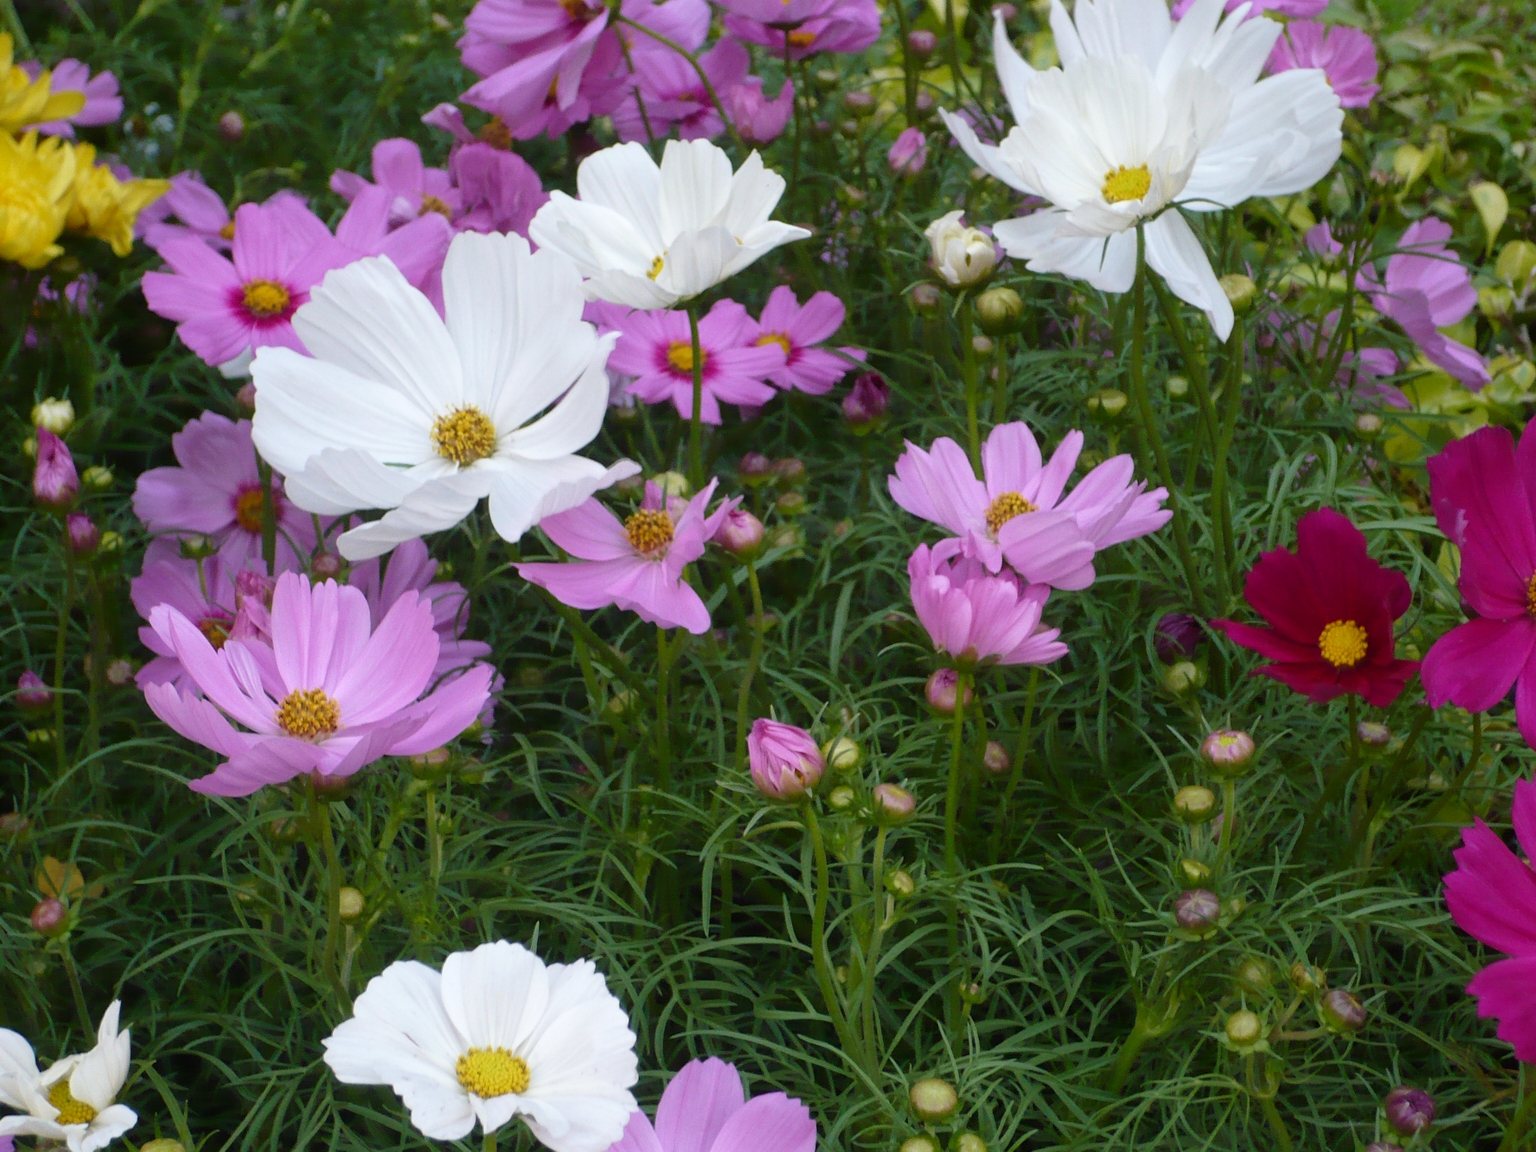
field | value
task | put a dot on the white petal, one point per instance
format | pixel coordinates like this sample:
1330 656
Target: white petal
572 423
1108 264
16 1056
578 1123
987 156
755 193
341 480
109 1124
626 180
760 241
697 261
435 506
1013 73
1110 29
496 995
695 187
523 492
1069 45
1174 251
618 287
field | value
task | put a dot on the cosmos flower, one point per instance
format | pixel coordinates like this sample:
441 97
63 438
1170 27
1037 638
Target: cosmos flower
839 26
412 569
102 103
1346 55
758 120
27 98
798 329
705 1109
978 619
785 764
673 97
75 1101
412 187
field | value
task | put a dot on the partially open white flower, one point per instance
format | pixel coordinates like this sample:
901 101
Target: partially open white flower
74 1101
961 256
649 236
497 1034
402 409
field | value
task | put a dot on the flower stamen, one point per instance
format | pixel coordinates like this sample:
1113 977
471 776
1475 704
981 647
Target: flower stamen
71 1111
433 204
265 299
776 338
656 266
1530 594
215 630
1005 508
491 1072
680 356
1343 643
800 38
308 713
1122 184
248 509
649 531
464 435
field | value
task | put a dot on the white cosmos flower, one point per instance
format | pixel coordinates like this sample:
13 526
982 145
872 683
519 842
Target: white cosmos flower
399 408
74 1101
497 1034
1251 137
650 237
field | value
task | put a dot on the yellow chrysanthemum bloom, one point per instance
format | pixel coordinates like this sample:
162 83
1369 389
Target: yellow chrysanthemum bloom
24 100
36 182
104 206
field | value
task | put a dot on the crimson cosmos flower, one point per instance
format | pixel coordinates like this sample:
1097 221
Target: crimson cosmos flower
1331 608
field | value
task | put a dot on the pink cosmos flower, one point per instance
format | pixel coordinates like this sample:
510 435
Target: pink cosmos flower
411 570
199 209
102 103
846 26
1018 513
1492 897
1319 241
413 188
207 596
758 120
784 760
704 1109
978 619
55 482
636 565
1294 9
1483 489
1346 55
666 93
796 328
214 490
657 350
500 190
329 695
1427 288
909 153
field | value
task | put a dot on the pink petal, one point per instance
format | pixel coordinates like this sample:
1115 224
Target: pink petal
1475 664
1491 894
770 1123
696 1105
1503 991
589 531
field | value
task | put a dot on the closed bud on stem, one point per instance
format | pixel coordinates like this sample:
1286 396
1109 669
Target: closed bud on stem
841 798
967 1142
1197 910
785 762
1177 386
740 533
1341 1012
351 901
1240 290
1176 636
50 918
1183 678
164 1144
842 754
1244 1028
983 345
867 401
920 1144
1373 734
755 469
327 565
672 484
84 536
58 416
1408 1111
1227 752
790 472
894 805
120 672
97 478
55 483
791 503
933 1100
245 399
231 126
1255 974
962 256
999 311
1107 405
943 690
1193 874
13 825
926 299
922 43
32 694
1382 1146
909 154
859 103
1367 425
1194 804
900 884
1306 979
428 765
994 758
198 547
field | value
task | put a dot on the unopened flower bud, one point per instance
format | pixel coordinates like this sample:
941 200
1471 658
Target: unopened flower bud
231 127
994 758
926 299
1305 978
967 1142
1244 1028
13 826
1177 386
894 805
1382 1146
859 103
623 701
1176 636
1192 873
1107 405
1197 910
198 547
327 566
84 536
999 311
740 533
755 469
900 884
164 1144
1341 1012
842 754
245 399
55 483
1183 678
1368 425
32 694
827 78
790 472
933 1100
1408 1111
58 416
351 901
672 484
1228 753
50 918
120 672
1240 290
1194 804
942 691
922 43
962 256
97 478
1254 974
841 798
785 762
909 154
425 765
867 401
1373 734
791 503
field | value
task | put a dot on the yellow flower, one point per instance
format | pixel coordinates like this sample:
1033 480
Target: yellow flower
35 184
24 100
104 206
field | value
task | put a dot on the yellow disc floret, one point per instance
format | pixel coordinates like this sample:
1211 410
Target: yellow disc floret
1530 594
248 509
1005 508
649 531
1343 643
680 356
36 185
308 713
265 298
464 435
71 1111
776 338
1123 184
491 1072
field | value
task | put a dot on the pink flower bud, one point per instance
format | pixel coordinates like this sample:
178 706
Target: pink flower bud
789 472
1409 1111
1341 1012
50 918
995 758
1197 910
1228 753
922 43
231 126
13 825
84 536
32 694
252 585
1373 734
942 690
326 566
909 154
55 483
1177 637
246 399
867 401
755 469
893 804
1382 1146
740 533
785 762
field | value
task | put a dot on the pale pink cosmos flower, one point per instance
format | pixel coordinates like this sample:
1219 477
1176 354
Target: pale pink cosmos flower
657 350
665 92
977 619
705 1109
214 490
798 328
329 695
103 105
198 211
500 190
636 564
758 120
1346 55
784 760
1020 512
846 26
909 154
413 188
205 594
412 570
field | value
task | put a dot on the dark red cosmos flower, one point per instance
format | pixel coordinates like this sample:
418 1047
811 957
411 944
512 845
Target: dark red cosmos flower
1331 608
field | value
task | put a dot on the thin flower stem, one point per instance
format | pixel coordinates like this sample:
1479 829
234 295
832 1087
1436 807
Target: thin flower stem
60 651
13 23
320 824
909 73
872 953
1129 1051
268 517
695 418
1232 405
951 845
819 958
490 1139
697 67
1362 782
434 841
1016 773
1276 1124
1000 385
70 971
664 652
1228 821
754 661
968 374
1522 1115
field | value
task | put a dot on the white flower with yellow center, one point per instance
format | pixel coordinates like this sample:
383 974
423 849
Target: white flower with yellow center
497 1034
74 1101
651 236
401 409
1144 114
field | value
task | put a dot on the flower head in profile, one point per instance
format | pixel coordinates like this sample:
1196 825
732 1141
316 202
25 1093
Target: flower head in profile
328 696
652 236
102 104
804 28
784 760
1331 609
962 256
667 94
758 120
705 1109
1492 897
498 1034
75 1101
1020 510
412 188
799 329
55 481
425 416
909 154
975 618
1346 55
635 564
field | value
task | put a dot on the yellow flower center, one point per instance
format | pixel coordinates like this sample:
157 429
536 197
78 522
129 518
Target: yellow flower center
464 435
492 1072
1126 184
1530 594
496 133
649 531
265 298
1005 508
680 356
248 509
776 338
433 204
656 266
307 713
1343 643
228 231
801 38
71 1111
215 630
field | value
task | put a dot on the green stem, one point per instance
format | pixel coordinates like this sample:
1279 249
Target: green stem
1129 1051
1016 773
664 653
695 420
13 22
320 823
490 1139
1000 385
822 964
268 517
968 373
952 848
60 650
1522 1115
434 841
872 954
70 971
1228 821
744 693
1232 405
909 73
1277 1125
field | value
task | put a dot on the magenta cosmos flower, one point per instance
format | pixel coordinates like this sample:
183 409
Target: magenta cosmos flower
1294 9
909 154
328 696
1482 489
102 103
1018 512
499 189
705 1109
1346 55
214 490
412 570
635 564
199 213
1492 896
798 328
1426 288
411 186
758 120
975 618
784 760
842 26
656 349
208 594
673 96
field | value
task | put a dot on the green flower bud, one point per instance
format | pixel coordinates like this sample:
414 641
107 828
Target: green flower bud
351 901
1194 804
1193 874
900 884
1244 1028
1241 291
999 311
933 1100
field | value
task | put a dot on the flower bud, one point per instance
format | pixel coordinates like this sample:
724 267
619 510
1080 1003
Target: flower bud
245 399
57 416
791 503
1408 1111
1496 302
983 345
942 690
622 702
1244 1028
1177 386
755 469
962 256
994 758
909 154
32 694
55 483
785 762
198 547
1382 1146
1306 979
120 672
790 472
351 901
50 918
97 478
867 401
1373 734
967 1142
1176 636
740 533
1183 678
894 805
1194 804
1192 873
426 765
1108 405
842 754
1254 974
1368 425
1197 910
1240 290
1516 264
841 798
13 825
933 1100
999 311
926 299
84 536
859 103
164 1144
231 127
922 44
1228 753
1341 1012
900 884
672 484
111 543
327 566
